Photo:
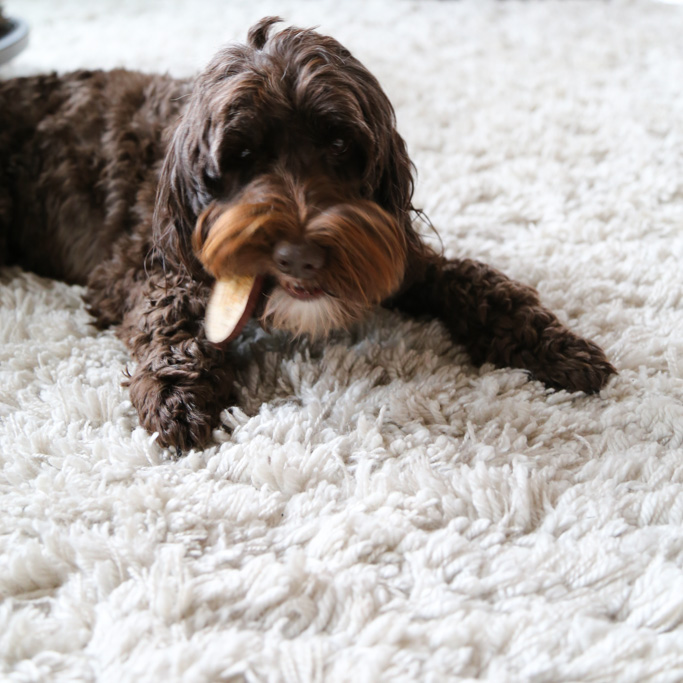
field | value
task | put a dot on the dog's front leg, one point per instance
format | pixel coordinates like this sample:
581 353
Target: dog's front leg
502 322
181 381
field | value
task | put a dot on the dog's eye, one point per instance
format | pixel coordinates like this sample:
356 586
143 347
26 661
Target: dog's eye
245 154
339 146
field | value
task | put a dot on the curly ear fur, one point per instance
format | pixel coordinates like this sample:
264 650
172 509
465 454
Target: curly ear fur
395 187
183 191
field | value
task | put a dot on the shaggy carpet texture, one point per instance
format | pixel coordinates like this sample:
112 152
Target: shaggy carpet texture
376 508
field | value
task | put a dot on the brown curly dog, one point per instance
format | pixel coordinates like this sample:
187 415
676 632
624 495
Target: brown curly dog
280 162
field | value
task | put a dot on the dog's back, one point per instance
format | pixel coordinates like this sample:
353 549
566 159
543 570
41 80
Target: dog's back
79 157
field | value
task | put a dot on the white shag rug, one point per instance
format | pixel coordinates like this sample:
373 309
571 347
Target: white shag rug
383 510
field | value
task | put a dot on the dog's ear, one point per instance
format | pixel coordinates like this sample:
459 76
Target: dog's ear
191 175
389 176
394 193
394 185
184 186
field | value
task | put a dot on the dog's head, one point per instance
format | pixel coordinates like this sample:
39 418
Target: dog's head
287 164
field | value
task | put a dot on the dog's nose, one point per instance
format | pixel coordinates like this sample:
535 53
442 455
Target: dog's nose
298 259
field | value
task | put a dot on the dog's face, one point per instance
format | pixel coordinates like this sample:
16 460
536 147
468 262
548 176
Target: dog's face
287 164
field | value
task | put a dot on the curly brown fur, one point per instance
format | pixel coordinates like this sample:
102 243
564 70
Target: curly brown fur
280 160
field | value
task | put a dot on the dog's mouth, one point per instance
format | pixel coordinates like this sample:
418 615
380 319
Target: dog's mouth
303 291
235 300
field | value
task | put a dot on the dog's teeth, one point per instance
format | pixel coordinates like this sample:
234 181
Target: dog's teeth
231 304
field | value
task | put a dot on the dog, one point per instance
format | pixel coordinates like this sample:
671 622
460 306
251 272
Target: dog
283 157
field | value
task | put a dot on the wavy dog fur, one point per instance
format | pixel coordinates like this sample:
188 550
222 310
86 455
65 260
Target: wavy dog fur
281 159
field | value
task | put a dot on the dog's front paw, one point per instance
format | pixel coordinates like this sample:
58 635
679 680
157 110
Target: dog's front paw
180 407
572 363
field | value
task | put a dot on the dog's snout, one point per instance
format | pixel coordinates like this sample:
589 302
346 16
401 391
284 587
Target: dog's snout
302 260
